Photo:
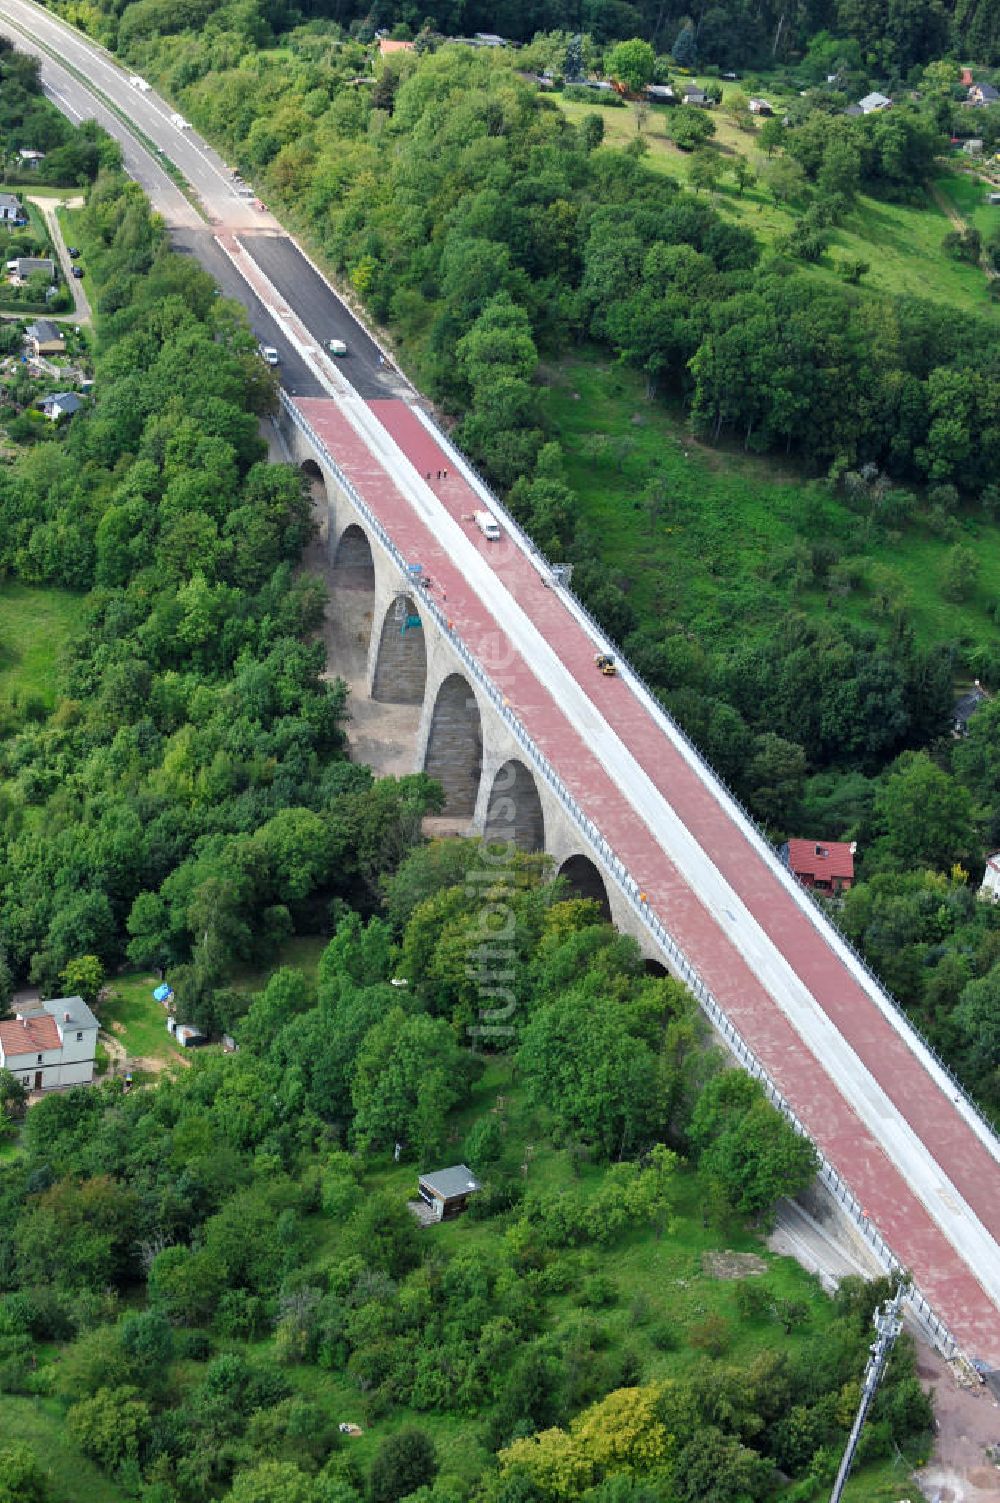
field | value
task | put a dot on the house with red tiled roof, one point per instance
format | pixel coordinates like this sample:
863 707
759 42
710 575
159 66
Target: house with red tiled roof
48 1045
387 45
825 866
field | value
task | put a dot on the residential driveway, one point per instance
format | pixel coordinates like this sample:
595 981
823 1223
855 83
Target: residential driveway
47 208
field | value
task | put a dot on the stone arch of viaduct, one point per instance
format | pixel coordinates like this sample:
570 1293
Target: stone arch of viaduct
490 787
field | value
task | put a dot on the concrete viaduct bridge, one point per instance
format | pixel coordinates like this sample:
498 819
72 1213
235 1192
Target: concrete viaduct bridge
392 627
533 746
493 663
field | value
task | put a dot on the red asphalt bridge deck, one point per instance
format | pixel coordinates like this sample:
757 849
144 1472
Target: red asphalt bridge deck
940 1272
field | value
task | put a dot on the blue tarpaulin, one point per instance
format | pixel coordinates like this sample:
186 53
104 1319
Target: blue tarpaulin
163 992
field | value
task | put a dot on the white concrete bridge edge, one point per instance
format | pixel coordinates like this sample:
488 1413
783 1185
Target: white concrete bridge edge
614 869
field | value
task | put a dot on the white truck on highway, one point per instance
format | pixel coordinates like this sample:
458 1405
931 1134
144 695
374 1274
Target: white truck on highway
488 526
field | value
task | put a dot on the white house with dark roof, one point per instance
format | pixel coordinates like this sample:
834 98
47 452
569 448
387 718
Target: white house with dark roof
48 1045
10 209
61 404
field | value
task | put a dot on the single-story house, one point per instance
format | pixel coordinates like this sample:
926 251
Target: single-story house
10 209
973 147
30 158
966 706
993 198
490 39
24 267
660 93
984 93
447 1191
826 867
43 337
61 404
591 83
51 1044
387 45
874 102
760 107
693 95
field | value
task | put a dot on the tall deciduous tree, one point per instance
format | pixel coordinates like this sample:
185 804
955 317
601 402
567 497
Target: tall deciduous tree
926 815
631 63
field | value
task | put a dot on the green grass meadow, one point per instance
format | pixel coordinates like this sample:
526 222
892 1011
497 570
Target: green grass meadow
41 1424
969 196
900 242
136 1020
35 626
720 554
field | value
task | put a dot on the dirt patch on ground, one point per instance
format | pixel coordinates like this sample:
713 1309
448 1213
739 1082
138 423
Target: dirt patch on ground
155 1065
118 1028
966 1421
732 1265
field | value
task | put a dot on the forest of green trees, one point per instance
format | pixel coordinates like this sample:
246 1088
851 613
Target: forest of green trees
895 35
492 237
189 789
202 1278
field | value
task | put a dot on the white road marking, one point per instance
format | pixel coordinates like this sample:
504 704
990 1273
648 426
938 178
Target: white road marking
62 103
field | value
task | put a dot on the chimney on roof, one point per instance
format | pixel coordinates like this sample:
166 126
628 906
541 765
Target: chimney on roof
853 847
67 1017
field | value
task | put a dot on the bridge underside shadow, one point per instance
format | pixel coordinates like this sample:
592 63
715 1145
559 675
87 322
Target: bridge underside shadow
584 880
455 746
514 812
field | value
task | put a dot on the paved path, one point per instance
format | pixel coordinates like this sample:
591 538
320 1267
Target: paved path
868 1092
48 207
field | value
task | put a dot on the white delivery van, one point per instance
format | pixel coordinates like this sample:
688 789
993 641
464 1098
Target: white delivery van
488 526
336 347
268 354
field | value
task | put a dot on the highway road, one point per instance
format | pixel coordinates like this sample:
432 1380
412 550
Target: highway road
628 767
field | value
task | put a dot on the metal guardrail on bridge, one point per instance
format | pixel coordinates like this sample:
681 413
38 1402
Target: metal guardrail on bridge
630 889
